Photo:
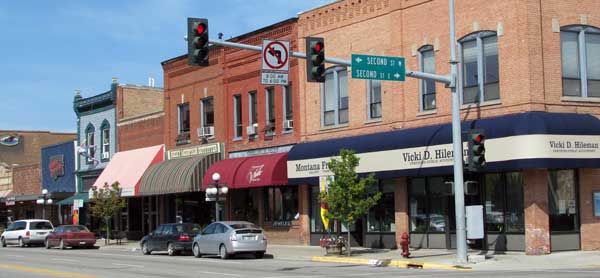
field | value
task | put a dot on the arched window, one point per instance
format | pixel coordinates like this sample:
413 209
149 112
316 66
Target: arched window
580 57
427 87
334 97
90 143
480 67
105 137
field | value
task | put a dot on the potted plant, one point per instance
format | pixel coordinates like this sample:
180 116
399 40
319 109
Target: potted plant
333 245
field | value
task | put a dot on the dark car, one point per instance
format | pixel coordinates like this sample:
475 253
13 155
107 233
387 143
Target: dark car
70 235
173 238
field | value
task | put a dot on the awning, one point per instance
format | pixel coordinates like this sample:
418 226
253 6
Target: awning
177 175
254 171
4 193
513 142
128 167
85 196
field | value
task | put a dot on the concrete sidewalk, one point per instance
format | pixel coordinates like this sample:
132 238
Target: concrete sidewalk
422 258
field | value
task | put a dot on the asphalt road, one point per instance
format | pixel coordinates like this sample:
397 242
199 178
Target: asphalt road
39 262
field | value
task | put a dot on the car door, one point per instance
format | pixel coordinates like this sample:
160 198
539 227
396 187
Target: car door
167 236
8 234
218 237
19 230
205 239
53 237
154 237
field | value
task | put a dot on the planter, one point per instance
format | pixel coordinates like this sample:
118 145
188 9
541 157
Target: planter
333 249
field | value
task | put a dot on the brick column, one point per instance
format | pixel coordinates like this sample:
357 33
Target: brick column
590 224
401 208
537 222
304 209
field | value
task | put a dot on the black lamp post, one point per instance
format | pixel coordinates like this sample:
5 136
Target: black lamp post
45 199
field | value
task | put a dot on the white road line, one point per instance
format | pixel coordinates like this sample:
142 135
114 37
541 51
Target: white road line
128 265
220 273
64 260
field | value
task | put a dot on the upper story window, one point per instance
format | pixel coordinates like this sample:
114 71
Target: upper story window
105 134
90 145
252 112
374 99
237 116
427 87
480 67
334 97
270 111
288 108
580 56
183 118
208 112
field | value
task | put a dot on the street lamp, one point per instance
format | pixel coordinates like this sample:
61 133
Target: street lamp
45 199
215 192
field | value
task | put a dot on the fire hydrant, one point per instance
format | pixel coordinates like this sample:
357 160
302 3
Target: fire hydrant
404 241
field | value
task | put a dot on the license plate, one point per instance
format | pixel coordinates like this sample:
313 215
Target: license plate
42 233
82 242
248 237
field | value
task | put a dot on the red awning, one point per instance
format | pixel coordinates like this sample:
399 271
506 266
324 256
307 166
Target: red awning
245 172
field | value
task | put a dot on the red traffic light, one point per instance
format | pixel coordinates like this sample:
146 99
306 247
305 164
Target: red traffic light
318 46
478 138
200 28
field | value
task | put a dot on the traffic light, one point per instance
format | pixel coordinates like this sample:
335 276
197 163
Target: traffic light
476 151
197 42
315 59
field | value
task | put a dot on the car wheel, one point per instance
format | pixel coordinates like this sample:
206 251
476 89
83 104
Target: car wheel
145 249
171 250
196 251
259 255
21 243
61 245
47 243
3 242
223 252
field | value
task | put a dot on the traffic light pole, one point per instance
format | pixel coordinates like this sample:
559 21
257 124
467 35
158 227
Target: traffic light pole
451 81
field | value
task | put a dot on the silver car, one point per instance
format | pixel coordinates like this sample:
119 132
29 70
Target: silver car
228 238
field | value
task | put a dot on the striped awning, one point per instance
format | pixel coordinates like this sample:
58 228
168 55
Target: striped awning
177 175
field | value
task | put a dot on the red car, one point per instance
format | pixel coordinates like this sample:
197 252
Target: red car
70 235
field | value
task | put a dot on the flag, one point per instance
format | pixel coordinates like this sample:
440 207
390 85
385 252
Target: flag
324 218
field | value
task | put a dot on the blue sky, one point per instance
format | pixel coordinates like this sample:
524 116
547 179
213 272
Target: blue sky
50 48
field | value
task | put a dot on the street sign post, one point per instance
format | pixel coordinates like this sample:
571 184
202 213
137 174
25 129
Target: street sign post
275 62
378 67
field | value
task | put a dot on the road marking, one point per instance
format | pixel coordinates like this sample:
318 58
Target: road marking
44 271
128 265
220 273
64 260
15 256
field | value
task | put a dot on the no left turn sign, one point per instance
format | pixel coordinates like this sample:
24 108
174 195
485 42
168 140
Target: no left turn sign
275 62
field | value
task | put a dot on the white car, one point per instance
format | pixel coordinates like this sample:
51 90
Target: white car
26 232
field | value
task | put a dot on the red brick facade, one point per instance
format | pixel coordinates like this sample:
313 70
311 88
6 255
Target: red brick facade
27 180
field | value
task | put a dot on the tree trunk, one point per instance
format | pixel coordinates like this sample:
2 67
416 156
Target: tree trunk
106 220
348 241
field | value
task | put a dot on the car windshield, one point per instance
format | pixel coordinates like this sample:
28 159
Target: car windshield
189 228
75 229
40 225
238 226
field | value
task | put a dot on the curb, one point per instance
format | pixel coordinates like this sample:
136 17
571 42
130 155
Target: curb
387 262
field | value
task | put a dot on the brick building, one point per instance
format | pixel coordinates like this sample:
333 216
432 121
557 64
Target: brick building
529 76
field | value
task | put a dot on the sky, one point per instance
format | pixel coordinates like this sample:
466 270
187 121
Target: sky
48 49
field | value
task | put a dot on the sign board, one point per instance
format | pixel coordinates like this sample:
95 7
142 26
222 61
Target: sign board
10 201
275 62
378 67
78 203
474 215
196 150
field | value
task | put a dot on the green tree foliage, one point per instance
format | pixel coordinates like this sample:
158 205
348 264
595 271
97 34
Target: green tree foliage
349 197
106 203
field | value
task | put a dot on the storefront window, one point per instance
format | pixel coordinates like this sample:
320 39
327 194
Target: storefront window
438 208
515 212
281 203
381 217
504 202
494 203
418 205
562 204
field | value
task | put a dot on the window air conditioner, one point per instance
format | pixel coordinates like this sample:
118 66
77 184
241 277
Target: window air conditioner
288 124
251 130
206 131
105 155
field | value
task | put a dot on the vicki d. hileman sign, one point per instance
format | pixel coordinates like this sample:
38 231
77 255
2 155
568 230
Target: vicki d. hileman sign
499 149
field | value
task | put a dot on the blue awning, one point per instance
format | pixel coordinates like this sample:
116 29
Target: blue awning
525 140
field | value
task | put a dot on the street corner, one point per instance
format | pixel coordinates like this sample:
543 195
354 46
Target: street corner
389 263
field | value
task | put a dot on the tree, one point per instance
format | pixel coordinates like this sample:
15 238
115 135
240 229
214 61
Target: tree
106 203
348 196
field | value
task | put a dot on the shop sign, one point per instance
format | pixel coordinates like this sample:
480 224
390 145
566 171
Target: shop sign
10 201
282 224
193 151
255 173
57 166
78 203
10 140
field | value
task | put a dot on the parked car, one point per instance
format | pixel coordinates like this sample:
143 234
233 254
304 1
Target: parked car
26 232
70 236
173 238
228 238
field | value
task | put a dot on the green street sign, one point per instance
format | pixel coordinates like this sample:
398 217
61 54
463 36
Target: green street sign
378 67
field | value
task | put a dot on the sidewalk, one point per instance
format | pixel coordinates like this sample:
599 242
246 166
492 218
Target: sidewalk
422 258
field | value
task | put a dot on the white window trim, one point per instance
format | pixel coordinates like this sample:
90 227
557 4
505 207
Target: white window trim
480 66
369 93
107 144
581 31
235 116
422 81
336 85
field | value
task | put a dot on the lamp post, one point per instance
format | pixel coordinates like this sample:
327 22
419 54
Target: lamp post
215 192
45 199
